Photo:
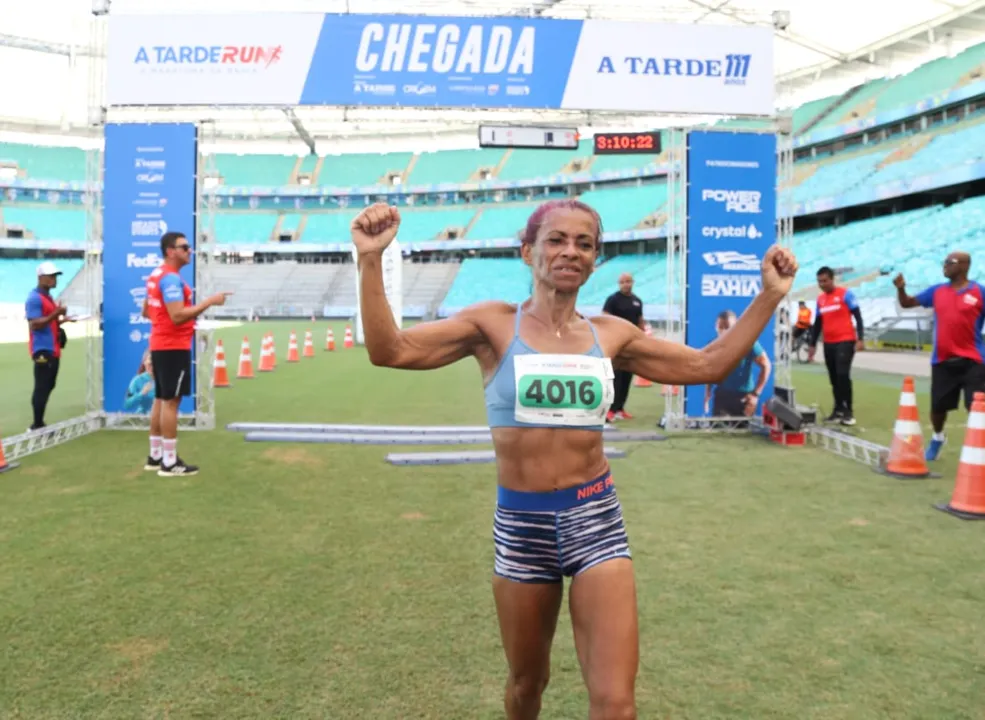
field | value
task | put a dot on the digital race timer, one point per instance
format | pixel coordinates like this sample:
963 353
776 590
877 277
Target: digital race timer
612 143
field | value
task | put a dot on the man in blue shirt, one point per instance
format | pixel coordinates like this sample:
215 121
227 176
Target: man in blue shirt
44 318
738 395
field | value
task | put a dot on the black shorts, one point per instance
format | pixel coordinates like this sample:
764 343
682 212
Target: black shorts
949 378
729 403
172 373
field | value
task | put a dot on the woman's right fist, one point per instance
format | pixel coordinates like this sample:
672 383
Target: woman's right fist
374 228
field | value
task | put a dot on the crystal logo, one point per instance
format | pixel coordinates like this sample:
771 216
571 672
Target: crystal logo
749 231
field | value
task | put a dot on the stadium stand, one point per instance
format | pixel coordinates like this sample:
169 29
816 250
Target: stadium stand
17 277
866 250
46 222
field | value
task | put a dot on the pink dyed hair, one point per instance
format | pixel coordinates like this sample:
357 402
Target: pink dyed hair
536 219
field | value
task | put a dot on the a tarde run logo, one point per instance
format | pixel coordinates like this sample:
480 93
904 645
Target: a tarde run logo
231 58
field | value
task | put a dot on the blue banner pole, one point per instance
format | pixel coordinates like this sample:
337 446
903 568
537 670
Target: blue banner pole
731 210
149 188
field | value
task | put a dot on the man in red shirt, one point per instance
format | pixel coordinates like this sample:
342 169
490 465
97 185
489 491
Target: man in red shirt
836 306
172 315
957 359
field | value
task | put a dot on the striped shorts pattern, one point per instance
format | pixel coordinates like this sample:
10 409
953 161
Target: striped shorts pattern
539 546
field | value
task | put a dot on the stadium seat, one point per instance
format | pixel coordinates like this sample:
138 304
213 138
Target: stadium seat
18 276
47 222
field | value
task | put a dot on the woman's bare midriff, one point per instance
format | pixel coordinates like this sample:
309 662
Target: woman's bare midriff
546 459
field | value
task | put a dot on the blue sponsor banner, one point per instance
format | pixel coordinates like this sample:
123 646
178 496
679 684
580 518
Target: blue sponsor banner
731 201
419 60
149 189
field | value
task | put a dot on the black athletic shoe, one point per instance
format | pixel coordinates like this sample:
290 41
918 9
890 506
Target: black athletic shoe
153 464
179 469
834 417
848 420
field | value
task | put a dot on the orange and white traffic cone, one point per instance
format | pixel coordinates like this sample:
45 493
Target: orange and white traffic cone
329 341
292 349
347 340
4 465
245 361
968 497
639 381
309 345
267 354
220 373
906 455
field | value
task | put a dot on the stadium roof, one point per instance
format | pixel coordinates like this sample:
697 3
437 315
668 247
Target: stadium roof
825 47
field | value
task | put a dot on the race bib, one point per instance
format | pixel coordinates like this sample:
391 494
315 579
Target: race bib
563 390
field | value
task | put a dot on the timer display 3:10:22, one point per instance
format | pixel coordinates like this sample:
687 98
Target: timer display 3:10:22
647 143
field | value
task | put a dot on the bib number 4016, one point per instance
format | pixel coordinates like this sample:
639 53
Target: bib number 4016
570 392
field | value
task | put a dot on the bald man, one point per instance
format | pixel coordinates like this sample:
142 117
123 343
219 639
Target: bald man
630 308
958 359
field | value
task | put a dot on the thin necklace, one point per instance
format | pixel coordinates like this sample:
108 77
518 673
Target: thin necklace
557 331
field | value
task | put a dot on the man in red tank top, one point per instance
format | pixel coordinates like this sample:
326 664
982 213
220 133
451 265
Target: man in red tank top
172 315
836 307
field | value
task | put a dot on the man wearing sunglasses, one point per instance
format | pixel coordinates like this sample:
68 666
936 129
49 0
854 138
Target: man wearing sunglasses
958 354
172 315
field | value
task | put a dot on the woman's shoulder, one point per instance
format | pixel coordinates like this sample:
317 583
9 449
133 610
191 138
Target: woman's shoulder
489 309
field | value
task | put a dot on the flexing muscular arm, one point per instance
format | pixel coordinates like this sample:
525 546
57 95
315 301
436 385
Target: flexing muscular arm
673 364
422 347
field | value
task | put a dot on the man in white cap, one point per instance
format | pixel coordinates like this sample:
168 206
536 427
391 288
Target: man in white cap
44 318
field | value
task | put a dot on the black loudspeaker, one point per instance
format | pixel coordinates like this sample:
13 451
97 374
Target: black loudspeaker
788 415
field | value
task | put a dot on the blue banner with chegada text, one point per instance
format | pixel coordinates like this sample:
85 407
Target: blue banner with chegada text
439 61
731 209
150 188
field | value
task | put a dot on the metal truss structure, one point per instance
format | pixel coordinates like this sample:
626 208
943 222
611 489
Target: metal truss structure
675 417
849 446
95 418
17 446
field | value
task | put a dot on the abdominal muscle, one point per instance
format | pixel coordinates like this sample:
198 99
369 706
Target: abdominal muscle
546 459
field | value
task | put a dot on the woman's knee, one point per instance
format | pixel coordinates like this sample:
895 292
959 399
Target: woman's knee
529 686
612 705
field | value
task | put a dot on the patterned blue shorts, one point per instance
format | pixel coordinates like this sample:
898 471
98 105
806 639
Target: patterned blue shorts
542 537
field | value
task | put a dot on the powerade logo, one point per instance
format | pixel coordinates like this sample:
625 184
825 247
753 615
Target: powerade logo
735 201
445 48
257 56
733 69
749 231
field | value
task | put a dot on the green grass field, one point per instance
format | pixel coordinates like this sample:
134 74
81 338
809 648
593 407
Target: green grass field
302 581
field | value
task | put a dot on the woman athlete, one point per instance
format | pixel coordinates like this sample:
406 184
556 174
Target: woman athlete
548 375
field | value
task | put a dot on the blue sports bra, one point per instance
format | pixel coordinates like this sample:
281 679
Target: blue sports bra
570 390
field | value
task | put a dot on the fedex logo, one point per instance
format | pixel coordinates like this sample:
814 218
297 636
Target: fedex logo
150 260
238 55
